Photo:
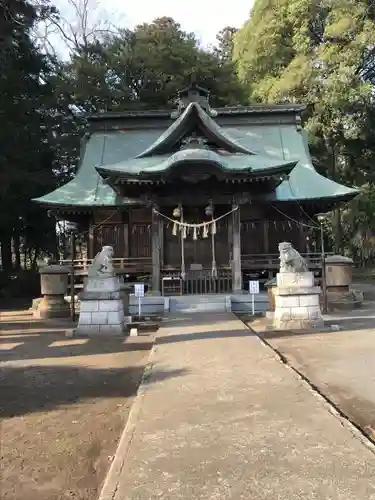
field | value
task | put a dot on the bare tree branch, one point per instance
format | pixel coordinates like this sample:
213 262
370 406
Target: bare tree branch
78 24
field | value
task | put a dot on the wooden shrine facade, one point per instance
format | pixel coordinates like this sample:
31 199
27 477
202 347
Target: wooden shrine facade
147 178
131 235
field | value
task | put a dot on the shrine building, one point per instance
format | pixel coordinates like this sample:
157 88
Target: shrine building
198 196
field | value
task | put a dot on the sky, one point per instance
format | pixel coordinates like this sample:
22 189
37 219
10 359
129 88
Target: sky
204 17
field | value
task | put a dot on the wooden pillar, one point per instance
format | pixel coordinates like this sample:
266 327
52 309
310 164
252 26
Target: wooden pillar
161 240
302 237
266 241
230 241
126 232
155 252
236 250
91 242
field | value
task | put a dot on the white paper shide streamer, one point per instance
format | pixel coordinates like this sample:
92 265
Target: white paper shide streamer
202 229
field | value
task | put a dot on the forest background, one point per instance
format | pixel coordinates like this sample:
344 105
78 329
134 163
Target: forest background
317 52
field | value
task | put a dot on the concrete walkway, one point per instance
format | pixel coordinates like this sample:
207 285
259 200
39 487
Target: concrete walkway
222 418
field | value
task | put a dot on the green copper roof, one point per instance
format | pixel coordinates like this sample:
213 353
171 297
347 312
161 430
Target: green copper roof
87 189
147 167
304 182
276 142
191 119
288 142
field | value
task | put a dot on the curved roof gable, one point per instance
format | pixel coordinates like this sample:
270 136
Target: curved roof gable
147 167
278 143
193 118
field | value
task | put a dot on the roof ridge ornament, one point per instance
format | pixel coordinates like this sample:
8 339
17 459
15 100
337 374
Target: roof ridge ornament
194 141
194 93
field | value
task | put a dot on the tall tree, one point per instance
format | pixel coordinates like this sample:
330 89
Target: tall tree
29 114
145 68
315 52
225 41
78 24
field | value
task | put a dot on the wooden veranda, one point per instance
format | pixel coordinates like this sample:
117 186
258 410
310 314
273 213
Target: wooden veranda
198 280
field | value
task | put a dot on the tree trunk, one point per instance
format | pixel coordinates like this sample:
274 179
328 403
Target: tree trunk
336 218
29 257
6 253
25 262
337 231
16 251
56 250
35 258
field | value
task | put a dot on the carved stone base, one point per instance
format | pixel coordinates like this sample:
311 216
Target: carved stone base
52 306
53 285
341 300
297 303
102 308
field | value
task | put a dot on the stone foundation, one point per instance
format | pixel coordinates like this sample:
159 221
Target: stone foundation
52 306
54 286
340 295
297 303
102 308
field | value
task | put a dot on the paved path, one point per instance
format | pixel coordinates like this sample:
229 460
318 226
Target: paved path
223 418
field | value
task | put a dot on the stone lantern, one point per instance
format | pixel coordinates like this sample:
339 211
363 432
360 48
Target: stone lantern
339 274
54 287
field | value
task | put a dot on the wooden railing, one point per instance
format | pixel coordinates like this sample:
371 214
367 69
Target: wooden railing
123 265
141 267
134 265
271 261
197 282
201 281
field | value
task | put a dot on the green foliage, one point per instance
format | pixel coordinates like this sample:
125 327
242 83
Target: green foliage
358 222
306 50
321 53
145 68
33 121
42 100
225 42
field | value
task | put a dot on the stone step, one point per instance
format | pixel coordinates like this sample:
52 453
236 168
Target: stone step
197 303
200 299
240 303
344 305
214 307
261 297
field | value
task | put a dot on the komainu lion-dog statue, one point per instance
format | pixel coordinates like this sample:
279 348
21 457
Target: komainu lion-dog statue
290 260
102 263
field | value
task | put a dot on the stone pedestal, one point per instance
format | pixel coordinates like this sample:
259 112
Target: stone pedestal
270 285
339 275
102 306
339 270
297 302
54 286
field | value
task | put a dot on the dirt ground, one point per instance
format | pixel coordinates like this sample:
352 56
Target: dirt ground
340 364
63 405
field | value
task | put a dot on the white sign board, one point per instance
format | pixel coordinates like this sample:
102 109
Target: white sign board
139 289
253 287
